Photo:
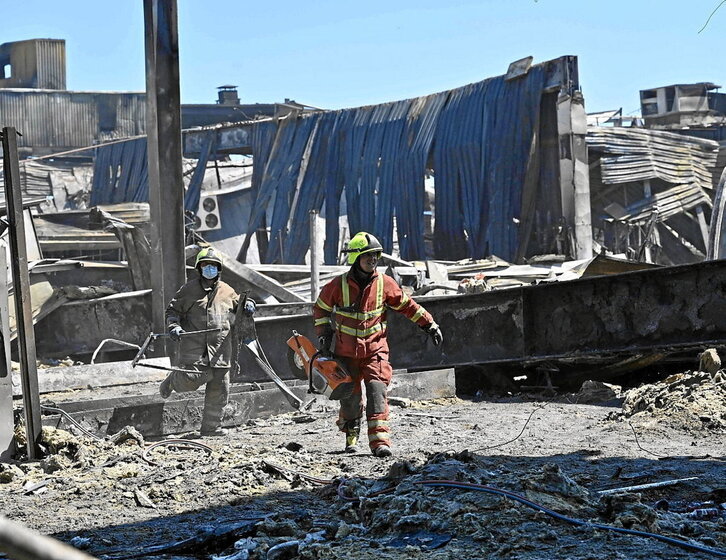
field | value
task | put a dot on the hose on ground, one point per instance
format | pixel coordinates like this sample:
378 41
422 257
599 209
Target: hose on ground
72 420
578 522
525 501
176 443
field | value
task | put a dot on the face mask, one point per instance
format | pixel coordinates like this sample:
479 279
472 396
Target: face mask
209 271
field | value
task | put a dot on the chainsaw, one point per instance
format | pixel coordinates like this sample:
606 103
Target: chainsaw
325 376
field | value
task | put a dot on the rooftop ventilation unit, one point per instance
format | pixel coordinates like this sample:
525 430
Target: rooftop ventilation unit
207 217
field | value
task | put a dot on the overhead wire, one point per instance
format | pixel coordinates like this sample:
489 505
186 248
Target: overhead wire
712 14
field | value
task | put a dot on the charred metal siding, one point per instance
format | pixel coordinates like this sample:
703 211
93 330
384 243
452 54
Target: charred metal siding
483 141
36 63
52 121
51 64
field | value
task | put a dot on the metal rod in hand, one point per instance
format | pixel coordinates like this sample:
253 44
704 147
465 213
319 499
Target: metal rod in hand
191 333
153 336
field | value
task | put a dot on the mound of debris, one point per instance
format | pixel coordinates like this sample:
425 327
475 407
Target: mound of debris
279 488
454 505
691 400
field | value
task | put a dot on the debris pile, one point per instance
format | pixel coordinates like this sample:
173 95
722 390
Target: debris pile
690 401
281 488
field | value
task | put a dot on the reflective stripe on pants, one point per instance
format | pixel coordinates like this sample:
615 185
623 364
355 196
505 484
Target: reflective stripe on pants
375 373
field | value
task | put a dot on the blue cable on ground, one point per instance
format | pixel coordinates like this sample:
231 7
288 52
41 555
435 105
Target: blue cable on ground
571 520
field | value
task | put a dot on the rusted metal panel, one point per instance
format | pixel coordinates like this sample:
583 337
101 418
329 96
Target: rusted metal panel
627 313
60 120
79 327
652 309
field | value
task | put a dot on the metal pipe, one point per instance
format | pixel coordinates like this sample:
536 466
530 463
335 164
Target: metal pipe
105 340
21 543
21 289
646 486
314 257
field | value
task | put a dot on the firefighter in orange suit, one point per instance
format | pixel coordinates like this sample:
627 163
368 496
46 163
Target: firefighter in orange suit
358 301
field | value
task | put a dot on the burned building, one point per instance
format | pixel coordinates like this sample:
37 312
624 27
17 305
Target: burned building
52 119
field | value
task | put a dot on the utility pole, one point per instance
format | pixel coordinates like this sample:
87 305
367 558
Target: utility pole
163 129
21 290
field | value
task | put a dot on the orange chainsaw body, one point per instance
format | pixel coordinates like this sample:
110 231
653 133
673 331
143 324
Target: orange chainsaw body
327 376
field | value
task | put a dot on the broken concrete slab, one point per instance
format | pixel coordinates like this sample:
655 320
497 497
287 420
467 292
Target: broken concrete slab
151 415
51 380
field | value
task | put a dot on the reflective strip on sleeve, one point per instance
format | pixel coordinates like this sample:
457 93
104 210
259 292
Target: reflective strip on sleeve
372 424
322 305
346 289
379 292
361 333
418 314
401 305
322 321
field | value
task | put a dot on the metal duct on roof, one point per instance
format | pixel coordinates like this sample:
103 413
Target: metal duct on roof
635 154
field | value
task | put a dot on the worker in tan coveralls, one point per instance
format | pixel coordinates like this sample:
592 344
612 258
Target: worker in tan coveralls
203 303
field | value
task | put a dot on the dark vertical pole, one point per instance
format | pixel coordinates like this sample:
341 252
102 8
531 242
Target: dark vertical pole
163 127
21 289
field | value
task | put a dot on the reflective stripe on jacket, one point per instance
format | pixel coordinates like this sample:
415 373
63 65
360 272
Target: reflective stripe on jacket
359 317
195 308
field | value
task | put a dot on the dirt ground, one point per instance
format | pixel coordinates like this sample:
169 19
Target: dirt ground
253 495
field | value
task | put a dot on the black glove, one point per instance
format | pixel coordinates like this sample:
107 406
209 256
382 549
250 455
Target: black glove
175 333
324 342
250 307
434 332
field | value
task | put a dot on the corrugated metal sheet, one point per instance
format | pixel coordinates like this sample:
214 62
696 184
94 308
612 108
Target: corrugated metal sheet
666 204
64 120
635 154
120 173
481 136
51 60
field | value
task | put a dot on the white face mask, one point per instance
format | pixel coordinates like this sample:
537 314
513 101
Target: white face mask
210 271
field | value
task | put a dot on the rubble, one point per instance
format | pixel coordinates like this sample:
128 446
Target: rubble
690 401
597 391
278 488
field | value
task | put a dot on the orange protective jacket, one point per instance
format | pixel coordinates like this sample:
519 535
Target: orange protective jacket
359 316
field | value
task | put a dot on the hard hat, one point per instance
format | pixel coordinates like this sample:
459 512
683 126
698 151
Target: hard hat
360 243
208 254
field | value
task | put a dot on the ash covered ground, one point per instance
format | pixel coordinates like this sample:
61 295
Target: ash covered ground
282 487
